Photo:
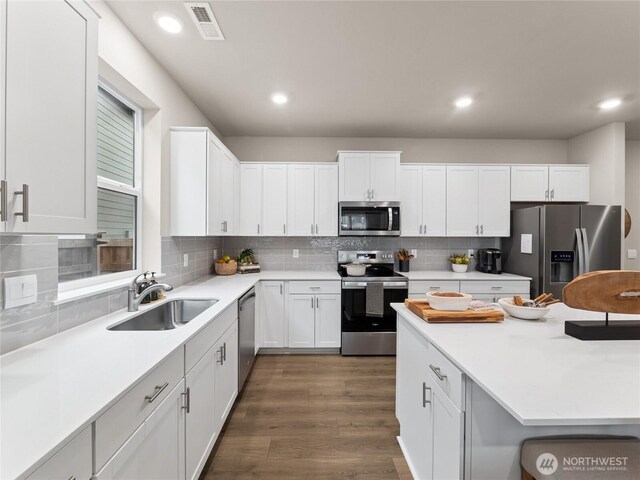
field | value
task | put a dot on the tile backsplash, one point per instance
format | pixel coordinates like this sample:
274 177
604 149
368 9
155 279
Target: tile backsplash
39 255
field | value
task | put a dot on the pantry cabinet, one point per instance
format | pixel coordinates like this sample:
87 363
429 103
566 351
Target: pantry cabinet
48 158
272 321
422 193
312 202
368 176
205 184
478 200
550 183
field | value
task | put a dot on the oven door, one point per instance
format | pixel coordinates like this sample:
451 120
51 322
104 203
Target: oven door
354 316
369 218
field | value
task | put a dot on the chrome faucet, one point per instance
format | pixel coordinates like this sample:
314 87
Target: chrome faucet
135 299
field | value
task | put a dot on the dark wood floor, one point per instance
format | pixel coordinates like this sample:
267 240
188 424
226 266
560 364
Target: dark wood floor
313 417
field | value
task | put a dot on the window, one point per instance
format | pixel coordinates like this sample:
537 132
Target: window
114 249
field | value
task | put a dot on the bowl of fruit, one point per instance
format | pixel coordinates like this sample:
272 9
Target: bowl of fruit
226 266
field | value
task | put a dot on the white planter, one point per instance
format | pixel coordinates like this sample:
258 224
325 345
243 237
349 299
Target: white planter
459 268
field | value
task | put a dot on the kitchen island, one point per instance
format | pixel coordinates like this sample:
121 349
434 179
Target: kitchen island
469 394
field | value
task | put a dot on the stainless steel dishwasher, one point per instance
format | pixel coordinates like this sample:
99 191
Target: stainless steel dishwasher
246 335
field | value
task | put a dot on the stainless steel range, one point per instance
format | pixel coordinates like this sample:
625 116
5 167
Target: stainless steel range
368 321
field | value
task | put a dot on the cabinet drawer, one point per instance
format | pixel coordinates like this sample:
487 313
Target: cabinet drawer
204 340
421 287
122 419
72 461
446 375
321 286
495 286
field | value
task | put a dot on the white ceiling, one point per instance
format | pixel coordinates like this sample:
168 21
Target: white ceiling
393 69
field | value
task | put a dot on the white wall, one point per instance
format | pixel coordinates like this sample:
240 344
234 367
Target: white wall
603 149
633 201
414 150
126 64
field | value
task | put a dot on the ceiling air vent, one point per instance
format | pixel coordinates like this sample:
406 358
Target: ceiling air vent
202 16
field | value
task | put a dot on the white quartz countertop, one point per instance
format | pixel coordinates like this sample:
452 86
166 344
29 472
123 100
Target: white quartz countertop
51 390
540 375
450 275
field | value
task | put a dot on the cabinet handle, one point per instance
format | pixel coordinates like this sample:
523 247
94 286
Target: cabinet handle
221 359
316 229
158 391
224 351
420 229
311 302
553 193
436 370
317 302
284 228
434 288
312 229
546 194
258 229
424 230
496 288
280 289
373 194
3 200
481 229
424 394
187 396
25 203
477 229
72 477
222 226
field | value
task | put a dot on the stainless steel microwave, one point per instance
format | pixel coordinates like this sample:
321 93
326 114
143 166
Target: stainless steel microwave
369 218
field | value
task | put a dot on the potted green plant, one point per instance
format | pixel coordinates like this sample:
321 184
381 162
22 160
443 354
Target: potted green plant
246 257
459 262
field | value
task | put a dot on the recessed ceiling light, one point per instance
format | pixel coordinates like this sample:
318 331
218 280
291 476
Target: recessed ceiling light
169 24
610 104
279 98
463 102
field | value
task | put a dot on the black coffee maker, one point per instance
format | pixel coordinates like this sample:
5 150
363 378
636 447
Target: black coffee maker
489 260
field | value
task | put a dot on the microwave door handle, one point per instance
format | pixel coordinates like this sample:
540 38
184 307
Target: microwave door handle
390 209
585 242
580 252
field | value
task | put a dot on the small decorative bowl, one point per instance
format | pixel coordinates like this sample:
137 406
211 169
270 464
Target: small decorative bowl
452 301
226 268
524 313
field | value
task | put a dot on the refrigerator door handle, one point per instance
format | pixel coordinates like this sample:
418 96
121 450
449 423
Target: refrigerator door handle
585 241
580 251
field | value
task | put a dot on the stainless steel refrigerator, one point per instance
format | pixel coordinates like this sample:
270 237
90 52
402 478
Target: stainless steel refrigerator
553 244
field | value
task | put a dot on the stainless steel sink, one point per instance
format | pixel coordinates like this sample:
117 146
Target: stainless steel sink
167 316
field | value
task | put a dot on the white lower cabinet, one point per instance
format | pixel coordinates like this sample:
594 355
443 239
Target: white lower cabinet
328 328
72 461
156 449
314 321
226 373
431 425
272 314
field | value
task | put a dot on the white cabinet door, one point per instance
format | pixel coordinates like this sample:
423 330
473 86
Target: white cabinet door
434 200
462 201
354 176
157 449
274 200
328 329
51 93
494 201
410 194
448 437
300 200
569 183
201 427
226 373
326 200
251 199
301 321
236 197
226 183
73 461
272 314
215 157
384 176
529 183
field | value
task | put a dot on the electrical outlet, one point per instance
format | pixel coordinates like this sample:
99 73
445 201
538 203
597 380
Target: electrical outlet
296 253
632 253
471 253
414 252
215 253
185 260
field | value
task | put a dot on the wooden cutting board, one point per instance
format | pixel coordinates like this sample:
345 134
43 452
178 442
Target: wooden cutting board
422 309
613 291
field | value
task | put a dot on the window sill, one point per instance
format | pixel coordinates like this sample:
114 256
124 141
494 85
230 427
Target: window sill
88 291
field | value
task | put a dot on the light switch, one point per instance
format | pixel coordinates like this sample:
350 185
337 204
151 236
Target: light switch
296 253
20 290
414 252
185 260
632 253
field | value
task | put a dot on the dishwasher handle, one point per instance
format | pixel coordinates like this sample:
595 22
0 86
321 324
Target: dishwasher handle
250 295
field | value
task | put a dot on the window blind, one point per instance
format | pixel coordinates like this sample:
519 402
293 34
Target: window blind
116 127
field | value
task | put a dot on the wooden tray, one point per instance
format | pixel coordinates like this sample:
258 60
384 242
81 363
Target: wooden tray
422 309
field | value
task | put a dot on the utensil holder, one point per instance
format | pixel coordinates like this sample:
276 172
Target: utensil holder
403 265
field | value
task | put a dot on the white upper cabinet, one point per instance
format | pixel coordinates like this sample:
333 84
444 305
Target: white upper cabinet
45 74
550 183
368 176
478 200
205 184
569 183
313 200
422 192
274 200
250 199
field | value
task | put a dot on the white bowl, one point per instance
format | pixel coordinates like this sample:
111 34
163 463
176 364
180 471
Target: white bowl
524 313
452 301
